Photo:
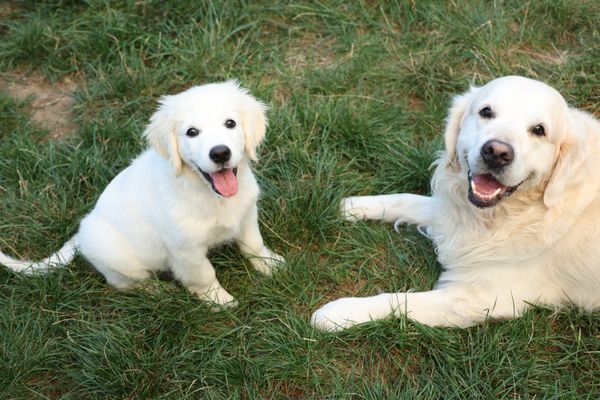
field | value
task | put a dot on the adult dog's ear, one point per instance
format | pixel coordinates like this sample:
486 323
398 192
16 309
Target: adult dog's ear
254 122
161 135
575 180
456 116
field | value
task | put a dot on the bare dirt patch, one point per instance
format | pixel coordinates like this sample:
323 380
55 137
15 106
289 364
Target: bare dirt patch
7 9
310 51
51 103
416 103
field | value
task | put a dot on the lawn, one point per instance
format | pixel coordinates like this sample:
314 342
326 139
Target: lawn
358 93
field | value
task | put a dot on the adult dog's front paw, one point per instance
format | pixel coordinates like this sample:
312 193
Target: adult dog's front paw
350 210
342 314
268 263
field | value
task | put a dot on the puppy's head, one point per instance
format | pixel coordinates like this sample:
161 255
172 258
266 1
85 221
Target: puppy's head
209 129
505 136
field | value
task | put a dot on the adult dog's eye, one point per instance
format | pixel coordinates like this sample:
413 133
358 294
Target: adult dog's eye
230 124
486 112
538 130
192 132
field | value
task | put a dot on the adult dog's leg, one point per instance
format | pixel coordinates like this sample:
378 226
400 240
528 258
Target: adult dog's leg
252 246
408 208
461 307
198 275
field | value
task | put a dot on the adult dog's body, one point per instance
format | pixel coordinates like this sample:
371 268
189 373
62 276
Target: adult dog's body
191 190
514 212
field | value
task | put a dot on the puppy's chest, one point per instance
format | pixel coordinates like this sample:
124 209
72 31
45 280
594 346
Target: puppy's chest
214 225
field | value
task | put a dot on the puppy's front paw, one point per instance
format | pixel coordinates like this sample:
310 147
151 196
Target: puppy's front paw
219 297
341 314
350 210
268 263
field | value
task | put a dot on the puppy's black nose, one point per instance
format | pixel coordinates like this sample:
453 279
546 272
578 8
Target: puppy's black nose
220 154
497 154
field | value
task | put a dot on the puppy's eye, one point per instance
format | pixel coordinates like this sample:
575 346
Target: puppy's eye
230 124
192 132
538 130
486 112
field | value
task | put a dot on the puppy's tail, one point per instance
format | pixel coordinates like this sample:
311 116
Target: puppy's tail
59 259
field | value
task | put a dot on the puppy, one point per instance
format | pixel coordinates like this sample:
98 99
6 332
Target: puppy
514 212
192 190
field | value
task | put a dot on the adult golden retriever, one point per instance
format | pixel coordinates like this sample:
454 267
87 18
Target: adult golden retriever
514 212
193 189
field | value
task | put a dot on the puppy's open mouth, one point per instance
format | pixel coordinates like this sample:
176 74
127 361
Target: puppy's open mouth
487 191
224 182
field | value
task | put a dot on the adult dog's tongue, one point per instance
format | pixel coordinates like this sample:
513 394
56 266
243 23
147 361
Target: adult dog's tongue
487 185
225 182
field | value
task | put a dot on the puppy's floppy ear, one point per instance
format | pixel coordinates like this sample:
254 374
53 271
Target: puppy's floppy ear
161 135
575 180
456 116
254 121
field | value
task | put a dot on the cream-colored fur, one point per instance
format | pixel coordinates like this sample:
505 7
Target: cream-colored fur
536 246
161 213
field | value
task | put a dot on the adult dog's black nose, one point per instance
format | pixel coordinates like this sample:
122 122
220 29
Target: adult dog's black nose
497 154
220 154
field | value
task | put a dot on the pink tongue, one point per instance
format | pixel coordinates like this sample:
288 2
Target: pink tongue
487 184
225 182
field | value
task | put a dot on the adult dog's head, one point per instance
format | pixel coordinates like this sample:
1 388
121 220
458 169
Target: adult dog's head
209 129
508 136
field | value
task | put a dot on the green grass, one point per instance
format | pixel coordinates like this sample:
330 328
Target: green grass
358 92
